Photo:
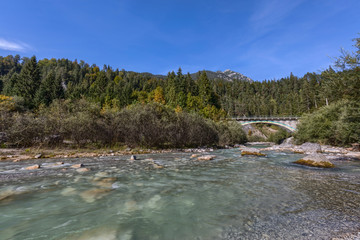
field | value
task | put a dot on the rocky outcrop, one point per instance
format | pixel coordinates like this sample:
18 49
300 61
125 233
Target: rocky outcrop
315 160
250 151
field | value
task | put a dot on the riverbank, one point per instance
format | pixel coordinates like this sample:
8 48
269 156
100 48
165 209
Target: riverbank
330 152
22 154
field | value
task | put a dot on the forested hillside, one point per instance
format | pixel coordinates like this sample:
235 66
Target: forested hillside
40 82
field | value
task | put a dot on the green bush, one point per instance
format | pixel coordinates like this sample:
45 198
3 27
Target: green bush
336 124
231 133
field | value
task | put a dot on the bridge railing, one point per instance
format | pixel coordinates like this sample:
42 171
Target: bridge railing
254 118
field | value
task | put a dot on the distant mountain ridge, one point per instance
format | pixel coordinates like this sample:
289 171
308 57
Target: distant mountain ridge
227 75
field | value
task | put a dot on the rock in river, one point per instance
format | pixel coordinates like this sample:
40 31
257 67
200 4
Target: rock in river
80 165
206 157
309 148
251 151
315 160
33 167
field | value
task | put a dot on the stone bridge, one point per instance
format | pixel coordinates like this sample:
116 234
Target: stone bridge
286 122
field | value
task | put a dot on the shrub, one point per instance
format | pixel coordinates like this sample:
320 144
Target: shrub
336 124
231 133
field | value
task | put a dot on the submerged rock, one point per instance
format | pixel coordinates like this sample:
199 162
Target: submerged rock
91 195
251 151
81 170
105 182
315 160
69 191
206 157
99 233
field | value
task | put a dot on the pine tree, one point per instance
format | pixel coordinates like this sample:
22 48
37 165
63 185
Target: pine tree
50 89
28 82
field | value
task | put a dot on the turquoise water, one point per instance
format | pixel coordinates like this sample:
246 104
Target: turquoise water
231 197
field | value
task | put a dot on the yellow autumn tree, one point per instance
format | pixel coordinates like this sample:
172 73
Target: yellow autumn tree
159 95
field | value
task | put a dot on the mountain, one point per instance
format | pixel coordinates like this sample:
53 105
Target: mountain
227 75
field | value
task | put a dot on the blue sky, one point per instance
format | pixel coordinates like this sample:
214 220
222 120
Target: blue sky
263 39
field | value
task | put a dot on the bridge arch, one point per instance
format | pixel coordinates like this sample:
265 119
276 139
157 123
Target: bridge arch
280 124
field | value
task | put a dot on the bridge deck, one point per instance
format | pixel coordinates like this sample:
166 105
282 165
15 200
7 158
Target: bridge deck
271 118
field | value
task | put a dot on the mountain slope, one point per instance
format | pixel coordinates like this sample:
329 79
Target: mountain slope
227 75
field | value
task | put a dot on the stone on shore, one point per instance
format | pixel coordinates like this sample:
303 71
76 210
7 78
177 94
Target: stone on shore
206 157
38 155
315 160
251 151
33 167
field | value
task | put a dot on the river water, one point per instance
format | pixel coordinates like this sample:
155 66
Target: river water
231 197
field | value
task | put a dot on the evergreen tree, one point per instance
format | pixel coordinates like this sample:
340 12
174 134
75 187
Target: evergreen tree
28 82
50 89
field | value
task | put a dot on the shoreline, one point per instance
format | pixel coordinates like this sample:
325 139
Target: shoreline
23 154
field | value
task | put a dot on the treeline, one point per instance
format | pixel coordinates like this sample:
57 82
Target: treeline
40 82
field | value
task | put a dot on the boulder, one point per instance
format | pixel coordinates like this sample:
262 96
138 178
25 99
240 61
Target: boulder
133 157
315 160
33 167
206 157
157 166
251 151
80 165
310 147
38 155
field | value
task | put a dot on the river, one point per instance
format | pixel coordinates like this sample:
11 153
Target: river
230 197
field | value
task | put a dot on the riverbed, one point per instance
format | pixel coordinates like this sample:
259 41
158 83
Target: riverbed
229 197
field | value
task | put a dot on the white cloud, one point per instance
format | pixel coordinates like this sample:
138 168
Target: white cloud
13 46
272 12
